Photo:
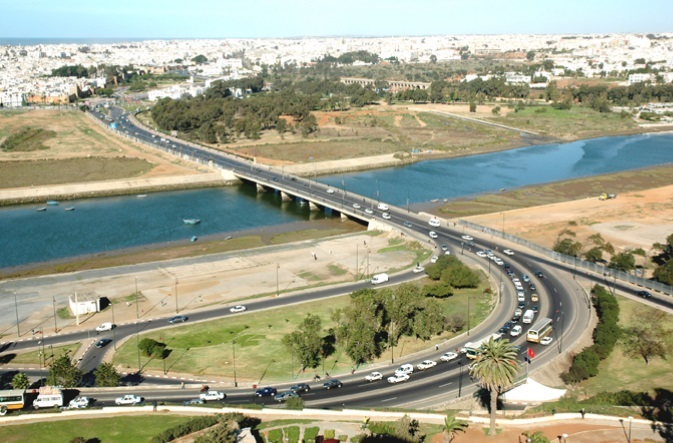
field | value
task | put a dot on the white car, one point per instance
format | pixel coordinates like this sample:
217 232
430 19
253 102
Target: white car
369 211
79 402
374 376
239 308
434 222
449 356
129 399
467 237
405 369
520 296
433 234
426 364
516 331
356 206
386 216
508 252
398 377
434 259
105 327
418 269
498 262
546 340
481 254
212 395
330 191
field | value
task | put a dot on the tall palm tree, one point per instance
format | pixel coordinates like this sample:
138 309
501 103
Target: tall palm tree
496 368
453 426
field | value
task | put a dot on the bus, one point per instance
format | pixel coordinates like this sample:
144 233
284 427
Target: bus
539 330
11 400
472 349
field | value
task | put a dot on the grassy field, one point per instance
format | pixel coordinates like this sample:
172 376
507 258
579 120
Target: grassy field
208 348
35 357
118 429
621 182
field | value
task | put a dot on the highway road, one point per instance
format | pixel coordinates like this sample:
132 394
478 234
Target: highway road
560 299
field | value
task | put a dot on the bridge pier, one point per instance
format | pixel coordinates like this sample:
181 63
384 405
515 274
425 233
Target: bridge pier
260 188
285 197
344 217
313 207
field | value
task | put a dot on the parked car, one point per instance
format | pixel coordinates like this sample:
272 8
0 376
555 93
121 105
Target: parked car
516 331
333 383
103 342
105 327
508 252
546 340
265 392
449 356
79 402
239 308
177 319
397 378
374 376
193 401
212 395
129 399
285 396
426 364
301 387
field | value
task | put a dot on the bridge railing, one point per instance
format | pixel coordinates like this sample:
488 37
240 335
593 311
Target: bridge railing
577 263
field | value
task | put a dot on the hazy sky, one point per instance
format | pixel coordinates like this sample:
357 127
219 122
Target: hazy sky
295 18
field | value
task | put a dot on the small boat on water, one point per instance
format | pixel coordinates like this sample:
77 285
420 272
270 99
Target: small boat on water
71 208
191 221
42 209
141 195
52 203
194 238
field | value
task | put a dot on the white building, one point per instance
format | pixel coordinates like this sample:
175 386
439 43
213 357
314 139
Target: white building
81 304
640 78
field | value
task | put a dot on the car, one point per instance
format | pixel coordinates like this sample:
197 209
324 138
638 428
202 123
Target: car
193 401
520 296
516 331
300 387
506 265
386 216
539 274
467 237
356 206
434 222
369 211
79 402
433 234
105 327
536 308
546 341
534 298
418 269
129 399
525 278
397 378
644 294
405 369
434 259
449 356
285 396
521 305
445 248
383 207
374 376
177 319
518 311
516 318
239 308
266 392
481 254
532 287
497 261
508 252
103 342
333 383
330 191
212 395
408 224
426 364
447 252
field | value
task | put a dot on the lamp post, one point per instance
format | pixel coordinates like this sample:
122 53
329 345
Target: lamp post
233 346
392 338
503 225
53 303
460 379
176 295
468 315
114 335
630 420
277 268
16 309
137 332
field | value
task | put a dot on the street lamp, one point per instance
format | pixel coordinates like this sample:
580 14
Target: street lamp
503 225
137 331
16 308
277 268
392 338
233 346
460 379
468 315
176 295
630 420
53 302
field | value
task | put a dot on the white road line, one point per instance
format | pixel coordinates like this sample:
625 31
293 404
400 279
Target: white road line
445 384
389 399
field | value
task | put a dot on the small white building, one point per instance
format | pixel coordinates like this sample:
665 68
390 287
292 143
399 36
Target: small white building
86 303
640 78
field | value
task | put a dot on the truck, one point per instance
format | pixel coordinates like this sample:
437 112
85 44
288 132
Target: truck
528 316
472 349
49 397
379 278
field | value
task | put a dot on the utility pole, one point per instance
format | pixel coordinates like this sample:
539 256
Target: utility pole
277 290
233 344
137 317
357 264
114 335
176 295
16 308
53 302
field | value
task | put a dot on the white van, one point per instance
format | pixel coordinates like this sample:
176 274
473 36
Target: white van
379 278
434 222
48 397
528 316
383 206
405 369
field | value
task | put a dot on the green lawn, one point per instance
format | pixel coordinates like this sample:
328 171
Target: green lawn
112 429
36 358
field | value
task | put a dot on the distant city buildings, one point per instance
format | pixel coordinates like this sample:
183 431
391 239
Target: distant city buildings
25 70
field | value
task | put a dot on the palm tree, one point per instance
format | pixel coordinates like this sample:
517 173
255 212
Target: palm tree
496 368
452 426
537 437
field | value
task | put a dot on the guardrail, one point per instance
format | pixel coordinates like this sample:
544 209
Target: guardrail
575 262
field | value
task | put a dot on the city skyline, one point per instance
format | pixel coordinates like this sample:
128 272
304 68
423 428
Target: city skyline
172 19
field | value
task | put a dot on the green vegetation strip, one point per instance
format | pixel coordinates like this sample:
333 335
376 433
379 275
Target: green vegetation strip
27 139
36 358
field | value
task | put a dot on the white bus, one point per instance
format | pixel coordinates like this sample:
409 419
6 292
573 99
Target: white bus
539 330
11 400
472 349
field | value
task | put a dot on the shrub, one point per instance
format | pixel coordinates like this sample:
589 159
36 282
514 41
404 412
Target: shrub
343 438
311 433
276 436
329 433
292 433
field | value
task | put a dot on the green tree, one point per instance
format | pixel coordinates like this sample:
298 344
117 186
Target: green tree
152 348
438 290
496 110
473 107
106 376
452 426
623 261
647 339
496 367
20 381
63 372
594 254
200 59
568 246
306 343
530 56
664 273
